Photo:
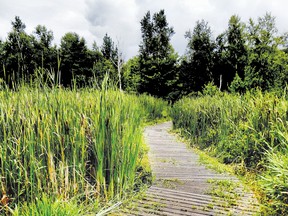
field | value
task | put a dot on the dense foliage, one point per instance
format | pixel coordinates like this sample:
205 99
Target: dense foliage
248 130
156 56
24 57
245 56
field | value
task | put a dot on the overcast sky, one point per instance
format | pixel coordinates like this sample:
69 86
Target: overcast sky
121 18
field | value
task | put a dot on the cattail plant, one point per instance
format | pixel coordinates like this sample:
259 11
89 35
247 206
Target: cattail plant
63 144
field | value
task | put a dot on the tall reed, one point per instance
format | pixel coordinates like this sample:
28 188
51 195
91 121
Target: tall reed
155 108
65 143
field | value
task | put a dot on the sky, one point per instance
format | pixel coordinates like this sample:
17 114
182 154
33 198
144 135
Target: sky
91 19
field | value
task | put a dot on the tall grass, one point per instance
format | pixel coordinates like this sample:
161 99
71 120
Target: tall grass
64 144
155 108
250 130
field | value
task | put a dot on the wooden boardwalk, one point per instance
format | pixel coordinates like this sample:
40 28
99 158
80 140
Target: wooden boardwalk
182 186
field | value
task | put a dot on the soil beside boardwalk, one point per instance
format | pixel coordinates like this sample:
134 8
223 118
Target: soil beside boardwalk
183 186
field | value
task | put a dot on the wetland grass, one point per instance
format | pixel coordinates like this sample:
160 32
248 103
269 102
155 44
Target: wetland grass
249 131
74 146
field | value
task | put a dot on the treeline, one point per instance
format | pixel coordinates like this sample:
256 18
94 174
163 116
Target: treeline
245 56
32 57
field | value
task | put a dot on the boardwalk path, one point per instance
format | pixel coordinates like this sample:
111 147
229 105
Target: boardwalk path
184 187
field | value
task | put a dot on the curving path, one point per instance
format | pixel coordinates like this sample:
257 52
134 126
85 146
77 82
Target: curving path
184 187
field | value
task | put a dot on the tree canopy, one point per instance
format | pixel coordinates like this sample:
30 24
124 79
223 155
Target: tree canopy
157 58
245 56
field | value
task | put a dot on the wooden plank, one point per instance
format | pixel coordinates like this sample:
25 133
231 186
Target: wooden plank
181 186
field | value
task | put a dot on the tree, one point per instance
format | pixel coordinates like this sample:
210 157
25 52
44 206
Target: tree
108 48
100 69
230 54
262 70
237 52
45 56
73 59
157 58
113 54
43 36
94 56
221 66
131 75
18 52
197 68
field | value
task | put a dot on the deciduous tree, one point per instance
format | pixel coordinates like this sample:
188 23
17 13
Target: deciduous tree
197 69
157 57
262 70
18 52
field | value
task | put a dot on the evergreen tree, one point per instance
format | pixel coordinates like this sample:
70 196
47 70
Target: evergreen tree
73 59
114 55
108 49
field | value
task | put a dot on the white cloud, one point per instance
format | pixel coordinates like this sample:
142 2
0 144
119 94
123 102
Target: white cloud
118 18
61 16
